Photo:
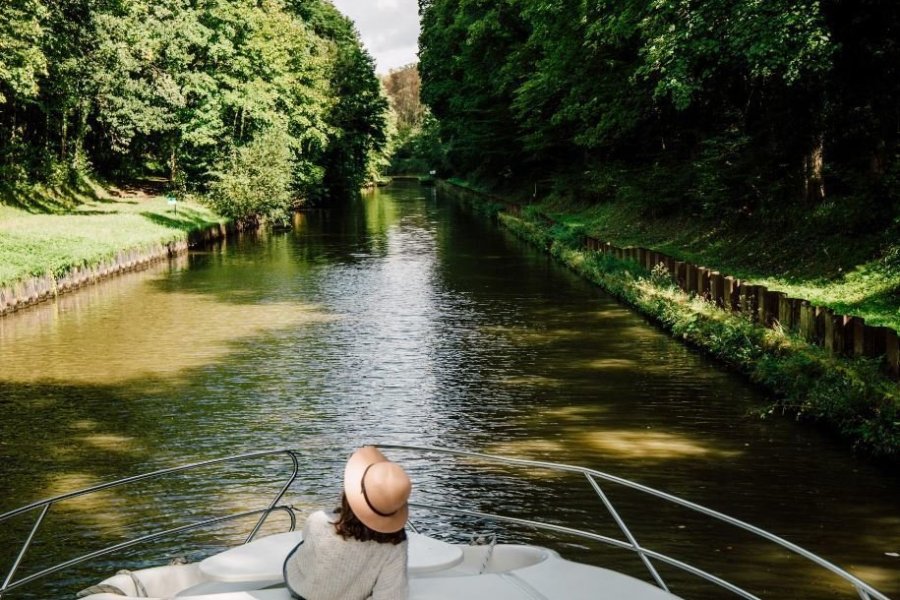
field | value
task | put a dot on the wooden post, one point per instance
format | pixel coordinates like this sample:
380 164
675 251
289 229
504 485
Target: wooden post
773 301
874 341
822 317
680 272
742 298
807 327
892 353
762 305
760 312
690 278
730 293
785 312
717 289
795 303
748 300
855 336
703 282
826 319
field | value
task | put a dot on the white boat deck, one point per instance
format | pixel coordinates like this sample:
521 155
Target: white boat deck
438 571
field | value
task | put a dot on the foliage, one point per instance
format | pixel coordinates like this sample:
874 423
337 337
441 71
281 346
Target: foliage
416 146
22 60
754 107
255 180
177 88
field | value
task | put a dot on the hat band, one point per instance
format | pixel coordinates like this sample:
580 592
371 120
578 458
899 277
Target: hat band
365 496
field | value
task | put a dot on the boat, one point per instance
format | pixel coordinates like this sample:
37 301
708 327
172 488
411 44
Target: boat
438 569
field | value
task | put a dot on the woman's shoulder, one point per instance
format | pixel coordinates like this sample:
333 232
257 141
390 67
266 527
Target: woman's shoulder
322 517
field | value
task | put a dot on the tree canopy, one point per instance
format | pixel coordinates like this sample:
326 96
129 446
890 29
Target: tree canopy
738 106
188 90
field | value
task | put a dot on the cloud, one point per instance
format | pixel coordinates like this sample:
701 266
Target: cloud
389 29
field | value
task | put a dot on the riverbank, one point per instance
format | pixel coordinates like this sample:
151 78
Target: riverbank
52 241
851 396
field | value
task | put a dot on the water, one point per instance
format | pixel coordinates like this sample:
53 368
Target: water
402 318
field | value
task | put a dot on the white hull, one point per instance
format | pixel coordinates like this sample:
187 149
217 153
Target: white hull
501 572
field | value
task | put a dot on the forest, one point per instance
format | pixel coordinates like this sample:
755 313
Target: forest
740 111
254 104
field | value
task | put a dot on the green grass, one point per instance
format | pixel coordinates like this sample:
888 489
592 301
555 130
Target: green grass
809 257
52 230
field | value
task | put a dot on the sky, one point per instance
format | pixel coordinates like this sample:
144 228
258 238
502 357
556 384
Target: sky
389 29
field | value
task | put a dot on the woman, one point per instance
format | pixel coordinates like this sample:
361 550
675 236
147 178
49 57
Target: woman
360 551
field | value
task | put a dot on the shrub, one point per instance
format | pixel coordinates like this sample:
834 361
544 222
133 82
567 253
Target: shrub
255 181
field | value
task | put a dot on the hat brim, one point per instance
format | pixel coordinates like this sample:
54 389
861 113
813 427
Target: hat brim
353 473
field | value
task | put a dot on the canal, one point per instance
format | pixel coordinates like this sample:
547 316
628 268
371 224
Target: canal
403 318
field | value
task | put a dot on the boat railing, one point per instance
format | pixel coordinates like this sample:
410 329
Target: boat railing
42 507
646 555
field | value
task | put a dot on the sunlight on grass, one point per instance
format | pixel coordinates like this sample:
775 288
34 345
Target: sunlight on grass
34 244
848 275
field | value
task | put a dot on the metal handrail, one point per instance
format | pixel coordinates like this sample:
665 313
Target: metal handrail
863 589
46 504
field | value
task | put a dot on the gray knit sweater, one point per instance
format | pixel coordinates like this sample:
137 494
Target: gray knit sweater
328 567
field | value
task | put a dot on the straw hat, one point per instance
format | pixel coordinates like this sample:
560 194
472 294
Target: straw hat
377 490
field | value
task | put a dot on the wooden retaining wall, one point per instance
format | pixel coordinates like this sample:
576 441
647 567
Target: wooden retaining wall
34 290
842 335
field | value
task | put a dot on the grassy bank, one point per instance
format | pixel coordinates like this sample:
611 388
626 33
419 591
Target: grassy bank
50 230
807 253
849 396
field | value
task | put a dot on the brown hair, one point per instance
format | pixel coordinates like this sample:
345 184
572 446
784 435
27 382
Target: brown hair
348 525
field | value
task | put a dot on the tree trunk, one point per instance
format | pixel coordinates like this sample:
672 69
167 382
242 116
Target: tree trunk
173 165
813 170
64 131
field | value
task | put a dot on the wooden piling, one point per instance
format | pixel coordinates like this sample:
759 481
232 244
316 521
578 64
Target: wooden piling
892 353
874 341
825 328
703 282
749 301
773 302
690 278
717 289
785 312
730 293
680 274
807 321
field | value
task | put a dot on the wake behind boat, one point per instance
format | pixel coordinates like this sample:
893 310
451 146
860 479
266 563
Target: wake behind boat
438 569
